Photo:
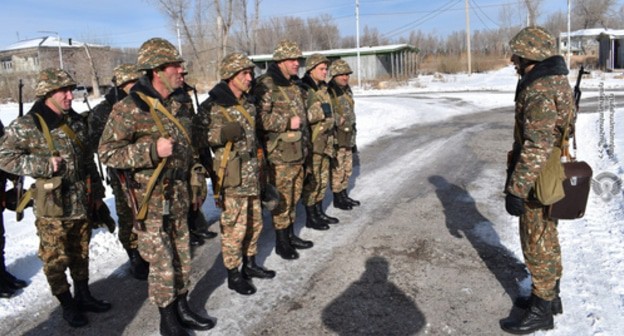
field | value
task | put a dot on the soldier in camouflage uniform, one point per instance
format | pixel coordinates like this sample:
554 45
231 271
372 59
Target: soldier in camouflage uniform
9 284
321 119
544 104
227 123
344 110
124 78
64 238
284 130
148 134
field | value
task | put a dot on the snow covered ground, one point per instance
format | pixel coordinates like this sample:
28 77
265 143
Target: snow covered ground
593 247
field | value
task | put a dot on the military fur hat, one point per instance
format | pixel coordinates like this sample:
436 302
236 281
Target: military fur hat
314 60
286 49
339 67
233 63
125 73
52 79
533 43
156 52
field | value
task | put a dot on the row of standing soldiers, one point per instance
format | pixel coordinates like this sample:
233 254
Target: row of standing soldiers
265 143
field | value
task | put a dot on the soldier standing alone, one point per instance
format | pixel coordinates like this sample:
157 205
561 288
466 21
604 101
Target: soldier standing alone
284 130
344 108
49 144
544 105
148 133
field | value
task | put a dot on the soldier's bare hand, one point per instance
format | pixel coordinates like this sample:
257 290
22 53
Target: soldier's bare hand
56 162
295 123
164 147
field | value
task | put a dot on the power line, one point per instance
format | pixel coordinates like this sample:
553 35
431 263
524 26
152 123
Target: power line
429 16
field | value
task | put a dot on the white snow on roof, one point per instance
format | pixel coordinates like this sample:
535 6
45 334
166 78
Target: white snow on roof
342 52
595 32
46 41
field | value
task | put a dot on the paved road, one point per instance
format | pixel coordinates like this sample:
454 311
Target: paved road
422 255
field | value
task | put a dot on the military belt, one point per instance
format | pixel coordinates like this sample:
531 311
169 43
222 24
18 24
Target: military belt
176 174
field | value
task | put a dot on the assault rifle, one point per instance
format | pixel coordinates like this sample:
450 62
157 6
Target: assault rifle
128 186
577 100
19 180
577 87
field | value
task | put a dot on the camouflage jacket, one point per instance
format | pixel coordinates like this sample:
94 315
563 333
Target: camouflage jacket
130 135
544 102
344 110
98 117
208 124
322 127
24 151
277 100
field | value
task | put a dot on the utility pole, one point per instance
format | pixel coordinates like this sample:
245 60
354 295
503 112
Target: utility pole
569 40
178 31
468 39
58 38
357 39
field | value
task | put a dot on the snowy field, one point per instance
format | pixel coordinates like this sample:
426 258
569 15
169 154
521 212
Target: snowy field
593 247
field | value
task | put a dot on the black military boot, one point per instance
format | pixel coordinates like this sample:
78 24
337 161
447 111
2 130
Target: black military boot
321 214
295 241
11 280
283 248
349 199
557 306
71 313
341 203
313 221
190 319
253 270
239 284
138 266
199 226
85 301
169 324
537 317
6 291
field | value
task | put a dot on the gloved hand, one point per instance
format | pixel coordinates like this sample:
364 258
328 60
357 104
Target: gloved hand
514 205
232 131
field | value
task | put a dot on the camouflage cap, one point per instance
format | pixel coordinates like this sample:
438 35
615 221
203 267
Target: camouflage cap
156 52
339 67
52 79
286 49
233 63
125 73
314 60
533 43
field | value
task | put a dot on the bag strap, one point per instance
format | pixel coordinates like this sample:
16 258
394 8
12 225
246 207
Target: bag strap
153 103
564 139
47 135
23 202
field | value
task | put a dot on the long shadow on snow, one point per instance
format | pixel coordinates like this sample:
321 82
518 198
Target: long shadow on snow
462 216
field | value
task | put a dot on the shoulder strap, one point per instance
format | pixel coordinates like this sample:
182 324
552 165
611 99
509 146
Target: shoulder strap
47 135
152 103
224 158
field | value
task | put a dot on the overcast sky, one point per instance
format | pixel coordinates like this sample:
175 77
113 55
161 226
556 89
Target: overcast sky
128 23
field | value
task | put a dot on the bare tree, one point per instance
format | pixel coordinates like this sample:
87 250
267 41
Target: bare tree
593 13
532 8
556 23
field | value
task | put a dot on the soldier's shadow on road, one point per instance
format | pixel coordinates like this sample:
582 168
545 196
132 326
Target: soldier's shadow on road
373 305
464 220
127 296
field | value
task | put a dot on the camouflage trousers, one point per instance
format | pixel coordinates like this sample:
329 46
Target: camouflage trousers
165 244
342 169
127 238
315 183
63 244
541 250
288 179
241 223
